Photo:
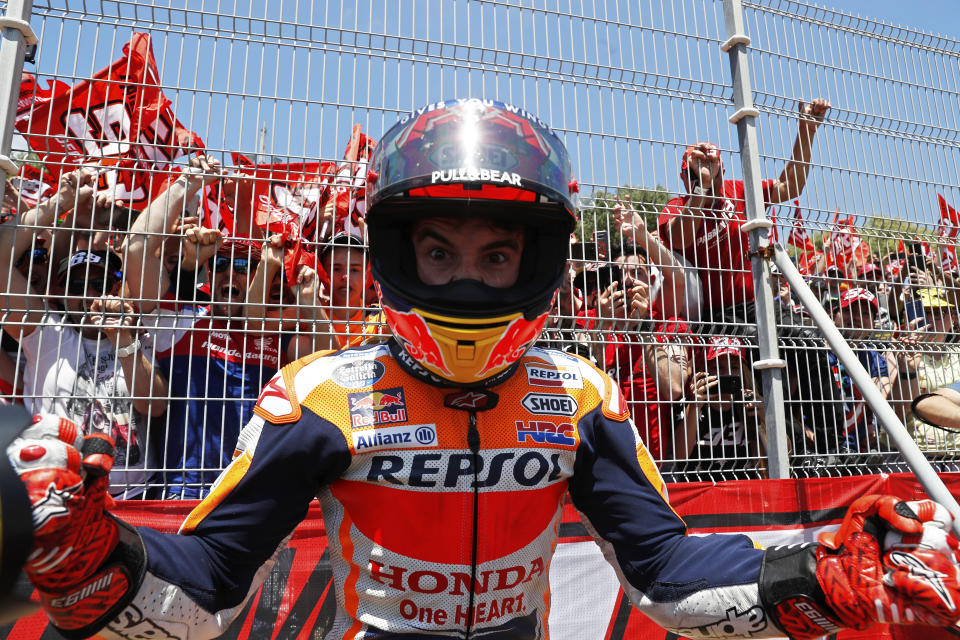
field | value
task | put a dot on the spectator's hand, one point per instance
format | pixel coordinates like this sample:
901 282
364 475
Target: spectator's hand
306 289
704 162
699 386
919 278
182 223
628 220
639 296
203 170
237 190
199 244
812 114
328 218
272 253
612 305
76 192
323 296
116 317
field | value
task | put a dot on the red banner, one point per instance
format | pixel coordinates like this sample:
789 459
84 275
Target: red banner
297 600
119 119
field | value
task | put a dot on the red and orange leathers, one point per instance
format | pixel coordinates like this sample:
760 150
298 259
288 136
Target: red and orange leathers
442 506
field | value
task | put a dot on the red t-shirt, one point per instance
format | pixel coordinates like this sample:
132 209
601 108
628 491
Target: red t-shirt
625 362
719 251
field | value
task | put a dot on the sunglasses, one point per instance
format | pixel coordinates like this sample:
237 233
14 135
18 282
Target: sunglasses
37 256
88 284
239 265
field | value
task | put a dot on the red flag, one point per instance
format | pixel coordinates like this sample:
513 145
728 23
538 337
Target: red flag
948 230
119 119
798 234
949 219
348 188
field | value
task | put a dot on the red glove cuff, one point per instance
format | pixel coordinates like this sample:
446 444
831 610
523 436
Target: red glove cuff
83 609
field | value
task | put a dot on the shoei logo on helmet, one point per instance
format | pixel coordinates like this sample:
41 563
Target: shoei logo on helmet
518 335
408 436
472 174
356 375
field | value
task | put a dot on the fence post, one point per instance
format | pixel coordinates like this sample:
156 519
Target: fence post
17 33
770 365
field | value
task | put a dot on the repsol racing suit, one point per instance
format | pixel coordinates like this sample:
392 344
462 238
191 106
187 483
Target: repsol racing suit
441 506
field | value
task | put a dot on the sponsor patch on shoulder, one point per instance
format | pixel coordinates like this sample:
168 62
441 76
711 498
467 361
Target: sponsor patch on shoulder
550 404
369 408
358 374
407 436
541 376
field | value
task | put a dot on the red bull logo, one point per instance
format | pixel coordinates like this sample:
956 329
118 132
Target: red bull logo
516 338
377 407
412 331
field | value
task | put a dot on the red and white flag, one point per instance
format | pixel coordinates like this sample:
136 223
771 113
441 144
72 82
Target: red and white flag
948 230
844 246
798 233
119 120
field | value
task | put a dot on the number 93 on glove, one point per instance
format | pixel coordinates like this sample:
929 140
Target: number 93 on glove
890 562
75 561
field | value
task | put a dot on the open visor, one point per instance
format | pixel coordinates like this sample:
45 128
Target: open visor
475 149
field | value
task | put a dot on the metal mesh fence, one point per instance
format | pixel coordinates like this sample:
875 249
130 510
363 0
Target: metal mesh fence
168 348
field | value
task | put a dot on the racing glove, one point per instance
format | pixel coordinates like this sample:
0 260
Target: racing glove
83 562
890 562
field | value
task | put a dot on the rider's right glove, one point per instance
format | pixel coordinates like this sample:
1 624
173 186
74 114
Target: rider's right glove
83 562
890 562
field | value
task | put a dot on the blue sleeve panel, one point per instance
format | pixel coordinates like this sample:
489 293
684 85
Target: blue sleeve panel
216 562
609 486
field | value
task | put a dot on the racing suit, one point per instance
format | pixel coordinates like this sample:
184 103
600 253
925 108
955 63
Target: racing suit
441 506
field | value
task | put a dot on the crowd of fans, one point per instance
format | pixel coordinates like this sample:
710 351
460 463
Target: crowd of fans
162 332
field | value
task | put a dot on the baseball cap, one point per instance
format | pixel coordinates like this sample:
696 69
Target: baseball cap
871 270
344 239
833 271
933 298
240 248
723 346
105 260
858 294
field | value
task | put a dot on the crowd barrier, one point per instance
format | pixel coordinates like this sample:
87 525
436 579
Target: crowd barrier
281 92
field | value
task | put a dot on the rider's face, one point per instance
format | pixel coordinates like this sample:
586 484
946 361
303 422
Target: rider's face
452 249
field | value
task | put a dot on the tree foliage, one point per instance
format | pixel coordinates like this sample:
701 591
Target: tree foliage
596 213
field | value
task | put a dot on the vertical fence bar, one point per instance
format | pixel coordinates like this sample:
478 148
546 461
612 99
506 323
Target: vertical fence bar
17 33
770 364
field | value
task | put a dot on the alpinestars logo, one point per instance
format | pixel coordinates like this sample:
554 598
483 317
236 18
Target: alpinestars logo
53 504
920 570
737 624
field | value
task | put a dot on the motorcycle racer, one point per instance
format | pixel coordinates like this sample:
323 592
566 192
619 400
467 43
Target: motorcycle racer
462 423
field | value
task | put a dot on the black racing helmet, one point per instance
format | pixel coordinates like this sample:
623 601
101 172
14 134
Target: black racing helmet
469 158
